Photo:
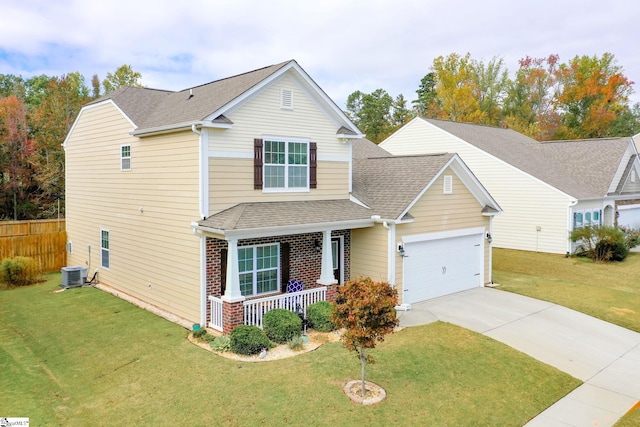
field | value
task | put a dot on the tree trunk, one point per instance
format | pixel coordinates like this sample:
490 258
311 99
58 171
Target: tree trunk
363 361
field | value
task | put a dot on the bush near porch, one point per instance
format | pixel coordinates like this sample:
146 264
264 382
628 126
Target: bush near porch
83 356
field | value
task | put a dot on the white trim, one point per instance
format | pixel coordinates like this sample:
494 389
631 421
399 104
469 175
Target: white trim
203 280
341 159
103 249
203 170
391 253
254 268
350 168
340 240
123 158
285 229
442 235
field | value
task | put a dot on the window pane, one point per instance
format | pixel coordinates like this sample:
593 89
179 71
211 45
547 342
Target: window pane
297 176
245 259
267 257
246 284
274 177
105 258
104 243
267 281
334 253
297 153
587 218
274 152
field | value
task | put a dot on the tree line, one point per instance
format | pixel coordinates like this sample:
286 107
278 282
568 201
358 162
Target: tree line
36 114
585 97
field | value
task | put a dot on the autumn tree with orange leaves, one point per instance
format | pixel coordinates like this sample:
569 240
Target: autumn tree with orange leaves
366 309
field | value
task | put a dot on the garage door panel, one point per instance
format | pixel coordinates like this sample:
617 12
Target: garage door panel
434 268
629 216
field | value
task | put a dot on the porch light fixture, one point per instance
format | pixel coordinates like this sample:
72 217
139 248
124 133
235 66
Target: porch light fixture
402 252
489 238
316 246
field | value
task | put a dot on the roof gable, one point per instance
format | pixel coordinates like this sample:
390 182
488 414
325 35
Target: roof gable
155 111
391 185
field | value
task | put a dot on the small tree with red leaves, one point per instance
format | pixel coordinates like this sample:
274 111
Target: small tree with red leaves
366 309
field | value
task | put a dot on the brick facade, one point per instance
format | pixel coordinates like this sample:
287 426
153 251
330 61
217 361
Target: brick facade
304 265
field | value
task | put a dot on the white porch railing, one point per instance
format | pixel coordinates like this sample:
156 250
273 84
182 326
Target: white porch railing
256 308
216 313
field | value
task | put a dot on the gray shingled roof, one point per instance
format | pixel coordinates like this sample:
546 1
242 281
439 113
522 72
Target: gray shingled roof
389 184
580 168
152 108
247 216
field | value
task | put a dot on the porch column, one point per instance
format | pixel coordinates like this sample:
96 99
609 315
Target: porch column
232 292
326 273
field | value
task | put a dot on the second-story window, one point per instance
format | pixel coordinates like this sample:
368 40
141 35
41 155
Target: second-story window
286 164
125 157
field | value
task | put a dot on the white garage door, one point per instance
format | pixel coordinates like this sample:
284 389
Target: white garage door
437 267
629 216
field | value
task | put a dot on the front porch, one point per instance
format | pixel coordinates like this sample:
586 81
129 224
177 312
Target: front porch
255 309
248 277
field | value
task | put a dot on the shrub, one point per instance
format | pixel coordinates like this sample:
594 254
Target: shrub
632 236
19 271
281 325
222 343
600 243
319 316
202 335
248 340
296 343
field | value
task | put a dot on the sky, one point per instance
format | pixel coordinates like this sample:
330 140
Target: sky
344 45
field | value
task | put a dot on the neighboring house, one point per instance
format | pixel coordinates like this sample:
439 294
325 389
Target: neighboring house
210 203
546 189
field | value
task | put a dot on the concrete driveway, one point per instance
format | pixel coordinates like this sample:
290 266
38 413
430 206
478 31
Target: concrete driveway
605 356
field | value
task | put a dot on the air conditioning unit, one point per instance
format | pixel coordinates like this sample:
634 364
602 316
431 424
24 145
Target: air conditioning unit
74 276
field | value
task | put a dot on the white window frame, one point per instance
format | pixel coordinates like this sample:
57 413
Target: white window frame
104 250
287 166
124 158
447 186
254 271
584 222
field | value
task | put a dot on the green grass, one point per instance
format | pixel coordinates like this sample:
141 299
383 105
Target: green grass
608 291
83 357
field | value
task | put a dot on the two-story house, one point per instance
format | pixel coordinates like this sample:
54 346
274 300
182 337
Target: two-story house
214 203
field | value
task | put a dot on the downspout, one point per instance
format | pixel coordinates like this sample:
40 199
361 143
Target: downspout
570 226
202 188
489 241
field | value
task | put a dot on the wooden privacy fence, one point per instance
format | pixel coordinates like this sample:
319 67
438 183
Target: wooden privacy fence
43 240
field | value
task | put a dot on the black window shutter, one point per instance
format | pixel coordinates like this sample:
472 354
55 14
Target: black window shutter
313 164
285 249
223 270
257 164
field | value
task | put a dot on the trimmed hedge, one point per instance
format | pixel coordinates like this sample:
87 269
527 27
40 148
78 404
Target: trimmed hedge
248 340
319 316
281 325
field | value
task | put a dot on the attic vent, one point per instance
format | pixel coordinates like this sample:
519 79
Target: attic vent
448 185
286 99
633 175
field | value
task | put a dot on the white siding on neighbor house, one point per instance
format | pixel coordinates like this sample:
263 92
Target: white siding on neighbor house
154 255
535 215
438 212
231 150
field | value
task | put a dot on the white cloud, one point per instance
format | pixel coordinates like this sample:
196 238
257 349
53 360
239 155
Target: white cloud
344 45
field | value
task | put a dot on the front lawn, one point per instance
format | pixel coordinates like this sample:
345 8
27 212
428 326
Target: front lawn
608 291
83 357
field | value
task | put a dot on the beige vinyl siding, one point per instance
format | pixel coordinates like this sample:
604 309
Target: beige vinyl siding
369 253
437 212
527 202
231 150
154 255
231 182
